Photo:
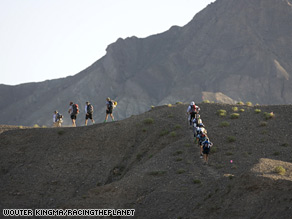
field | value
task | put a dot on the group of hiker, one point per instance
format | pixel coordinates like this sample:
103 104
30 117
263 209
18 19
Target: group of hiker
199 131
74 111
194 118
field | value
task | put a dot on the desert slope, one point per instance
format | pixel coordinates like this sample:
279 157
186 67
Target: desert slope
237 49
149 162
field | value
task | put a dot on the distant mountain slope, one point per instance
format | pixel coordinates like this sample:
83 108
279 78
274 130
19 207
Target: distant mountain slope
237 48
150 163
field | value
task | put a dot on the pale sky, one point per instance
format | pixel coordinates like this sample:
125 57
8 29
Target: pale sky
49 39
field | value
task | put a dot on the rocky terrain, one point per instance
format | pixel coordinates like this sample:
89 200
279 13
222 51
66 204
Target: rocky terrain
233 50
149 162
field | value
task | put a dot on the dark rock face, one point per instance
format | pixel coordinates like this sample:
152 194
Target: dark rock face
240 48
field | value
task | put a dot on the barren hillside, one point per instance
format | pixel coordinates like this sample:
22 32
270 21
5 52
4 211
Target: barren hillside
150 163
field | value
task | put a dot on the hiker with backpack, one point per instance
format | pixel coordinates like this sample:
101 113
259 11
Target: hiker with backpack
201 138
202 128
109 109
206 149
73 111
57 119
88 112
192 111
196 122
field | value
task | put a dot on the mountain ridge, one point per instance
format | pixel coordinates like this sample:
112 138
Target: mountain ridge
237 48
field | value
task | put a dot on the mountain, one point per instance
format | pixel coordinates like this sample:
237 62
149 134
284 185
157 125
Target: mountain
149 163
233 50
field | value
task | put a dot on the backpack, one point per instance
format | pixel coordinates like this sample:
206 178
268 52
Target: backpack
89 108
206 145
193 108
199 122
110 104
59 116
75 109
202 138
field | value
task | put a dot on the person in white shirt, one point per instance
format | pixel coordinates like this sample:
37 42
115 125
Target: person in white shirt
57 119
192 111
88 112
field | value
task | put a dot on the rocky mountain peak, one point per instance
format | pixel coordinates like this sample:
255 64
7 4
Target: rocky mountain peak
238 50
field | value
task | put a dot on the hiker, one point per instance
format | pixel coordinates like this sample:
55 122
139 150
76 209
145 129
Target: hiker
201 138
57 119
196 122
192 111
109 109
202 128
206 149
73 111
197 133
88 112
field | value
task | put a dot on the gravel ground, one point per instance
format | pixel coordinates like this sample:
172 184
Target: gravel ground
150 163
